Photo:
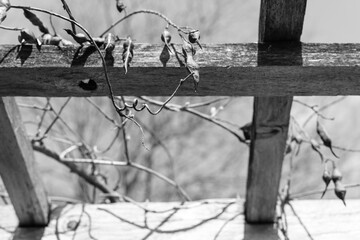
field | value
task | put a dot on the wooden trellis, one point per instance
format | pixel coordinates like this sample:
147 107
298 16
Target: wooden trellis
273 70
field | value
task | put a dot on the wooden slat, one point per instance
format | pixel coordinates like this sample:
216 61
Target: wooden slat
325 220
226 69
280 20
18 170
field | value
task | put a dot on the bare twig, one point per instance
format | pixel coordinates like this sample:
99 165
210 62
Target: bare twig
10 28
67 9
145 12
323 108
157 230
226 223
92 180
58 116
132 165
313 108
300 221
177 108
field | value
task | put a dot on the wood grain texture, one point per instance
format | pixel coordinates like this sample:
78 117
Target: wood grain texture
274 69
271 120
18 170
325 220
280 21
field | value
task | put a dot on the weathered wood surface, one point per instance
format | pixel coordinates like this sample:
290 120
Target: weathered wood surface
271 120
225 69
325 220
280 20
18 170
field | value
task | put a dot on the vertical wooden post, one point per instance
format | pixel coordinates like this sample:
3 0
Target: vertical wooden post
280 20
17 168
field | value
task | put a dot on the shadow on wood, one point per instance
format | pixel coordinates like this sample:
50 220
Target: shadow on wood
29 233
260 232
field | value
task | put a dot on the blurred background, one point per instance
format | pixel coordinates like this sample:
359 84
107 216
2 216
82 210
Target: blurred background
206 160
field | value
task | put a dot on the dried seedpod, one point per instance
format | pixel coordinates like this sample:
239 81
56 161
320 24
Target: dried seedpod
120 6
340 191
336 175
166 38
80 38
109 42
327 177
194 37
128 52
324 137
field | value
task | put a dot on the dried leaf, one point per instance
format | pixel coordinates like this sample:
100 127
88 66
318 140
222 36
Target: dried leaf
2 14
193 68
164 56
4 6
5 3
35 21
120 6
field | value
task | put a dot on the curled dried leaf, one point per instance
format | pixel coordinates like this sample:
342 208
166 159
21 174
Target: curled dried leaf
35 21
128 53
193 68
109 42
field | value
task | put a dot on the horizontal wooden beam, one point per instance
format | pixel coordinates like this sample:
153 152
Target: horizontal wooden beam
225 69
